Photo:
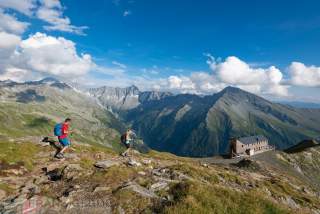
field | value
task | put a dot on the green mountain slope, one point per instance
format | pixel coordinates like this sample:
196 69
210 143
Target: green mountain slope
190 125
301 161
31 109
95 179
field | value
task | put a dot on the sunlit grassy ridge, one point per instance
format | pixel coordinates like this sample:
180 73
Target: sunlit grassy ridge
91 123
212 189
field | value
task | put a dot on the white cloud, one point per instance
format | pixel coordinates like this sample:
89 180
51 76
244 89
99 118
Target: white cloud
302 75
51 11
232 71
8 45
154 70
127 13
182 83
46 55
121 65
14 74
9 23
206 83
53 55
23 6
8 41
174 82
41 55
236 72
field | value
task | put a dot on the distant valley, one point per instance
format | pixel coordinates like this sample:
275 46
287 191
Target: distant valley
297 104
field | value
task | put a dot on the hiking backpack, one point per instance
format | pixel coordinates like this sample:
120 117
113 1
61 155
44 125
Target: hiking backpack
123 138
57 129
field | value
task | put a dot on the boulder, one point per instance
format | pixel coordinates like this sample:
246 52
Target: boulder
102 189
105 164
159 186
17 171
55 174
134 163
290 202
205 165
71 156
139 190
142 173
74 167
146 161
72 171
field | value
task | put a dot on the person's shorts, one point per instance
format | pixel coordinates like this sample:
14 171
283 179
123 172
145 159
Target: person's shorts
65 142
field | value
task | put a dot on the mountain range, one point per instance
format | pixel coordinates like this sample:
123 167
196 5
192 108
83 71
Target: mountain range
190 125
120 100
31 109
183 124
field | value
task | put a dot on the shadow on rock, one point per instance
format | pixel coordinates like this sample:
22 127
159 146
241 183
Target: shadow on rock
28 96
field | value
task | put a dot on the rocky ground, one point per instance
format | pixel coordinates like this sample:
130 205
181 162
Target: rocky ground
95 179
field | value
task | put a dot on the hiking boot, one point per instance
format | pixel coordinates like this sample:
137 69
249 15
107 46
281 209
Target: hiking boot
124 154
59 156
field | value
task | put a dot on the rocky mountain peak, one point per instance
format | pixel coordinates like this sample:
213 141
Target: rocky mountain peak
153 95
49 80
233 91
119 99
241 97
133 88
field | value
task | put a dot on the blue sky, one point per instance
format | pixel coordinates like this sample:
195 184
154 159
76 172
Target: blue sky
176 33
266 47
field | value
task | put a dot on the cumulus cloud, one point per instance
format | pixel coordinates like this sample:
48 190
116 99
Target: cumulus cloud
53 55
9 23
23 6
44 54
8 44
40 55
302 75
8 41
51 11
181 83
232 71
14 74
236 72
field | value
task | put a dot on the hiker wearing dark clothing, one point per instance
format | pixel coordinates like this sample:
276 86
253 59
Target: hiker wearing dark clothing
127 140
62 131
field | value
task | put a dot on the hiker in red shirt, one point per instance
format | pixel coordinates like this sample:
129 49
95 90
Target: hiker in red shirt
63 138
